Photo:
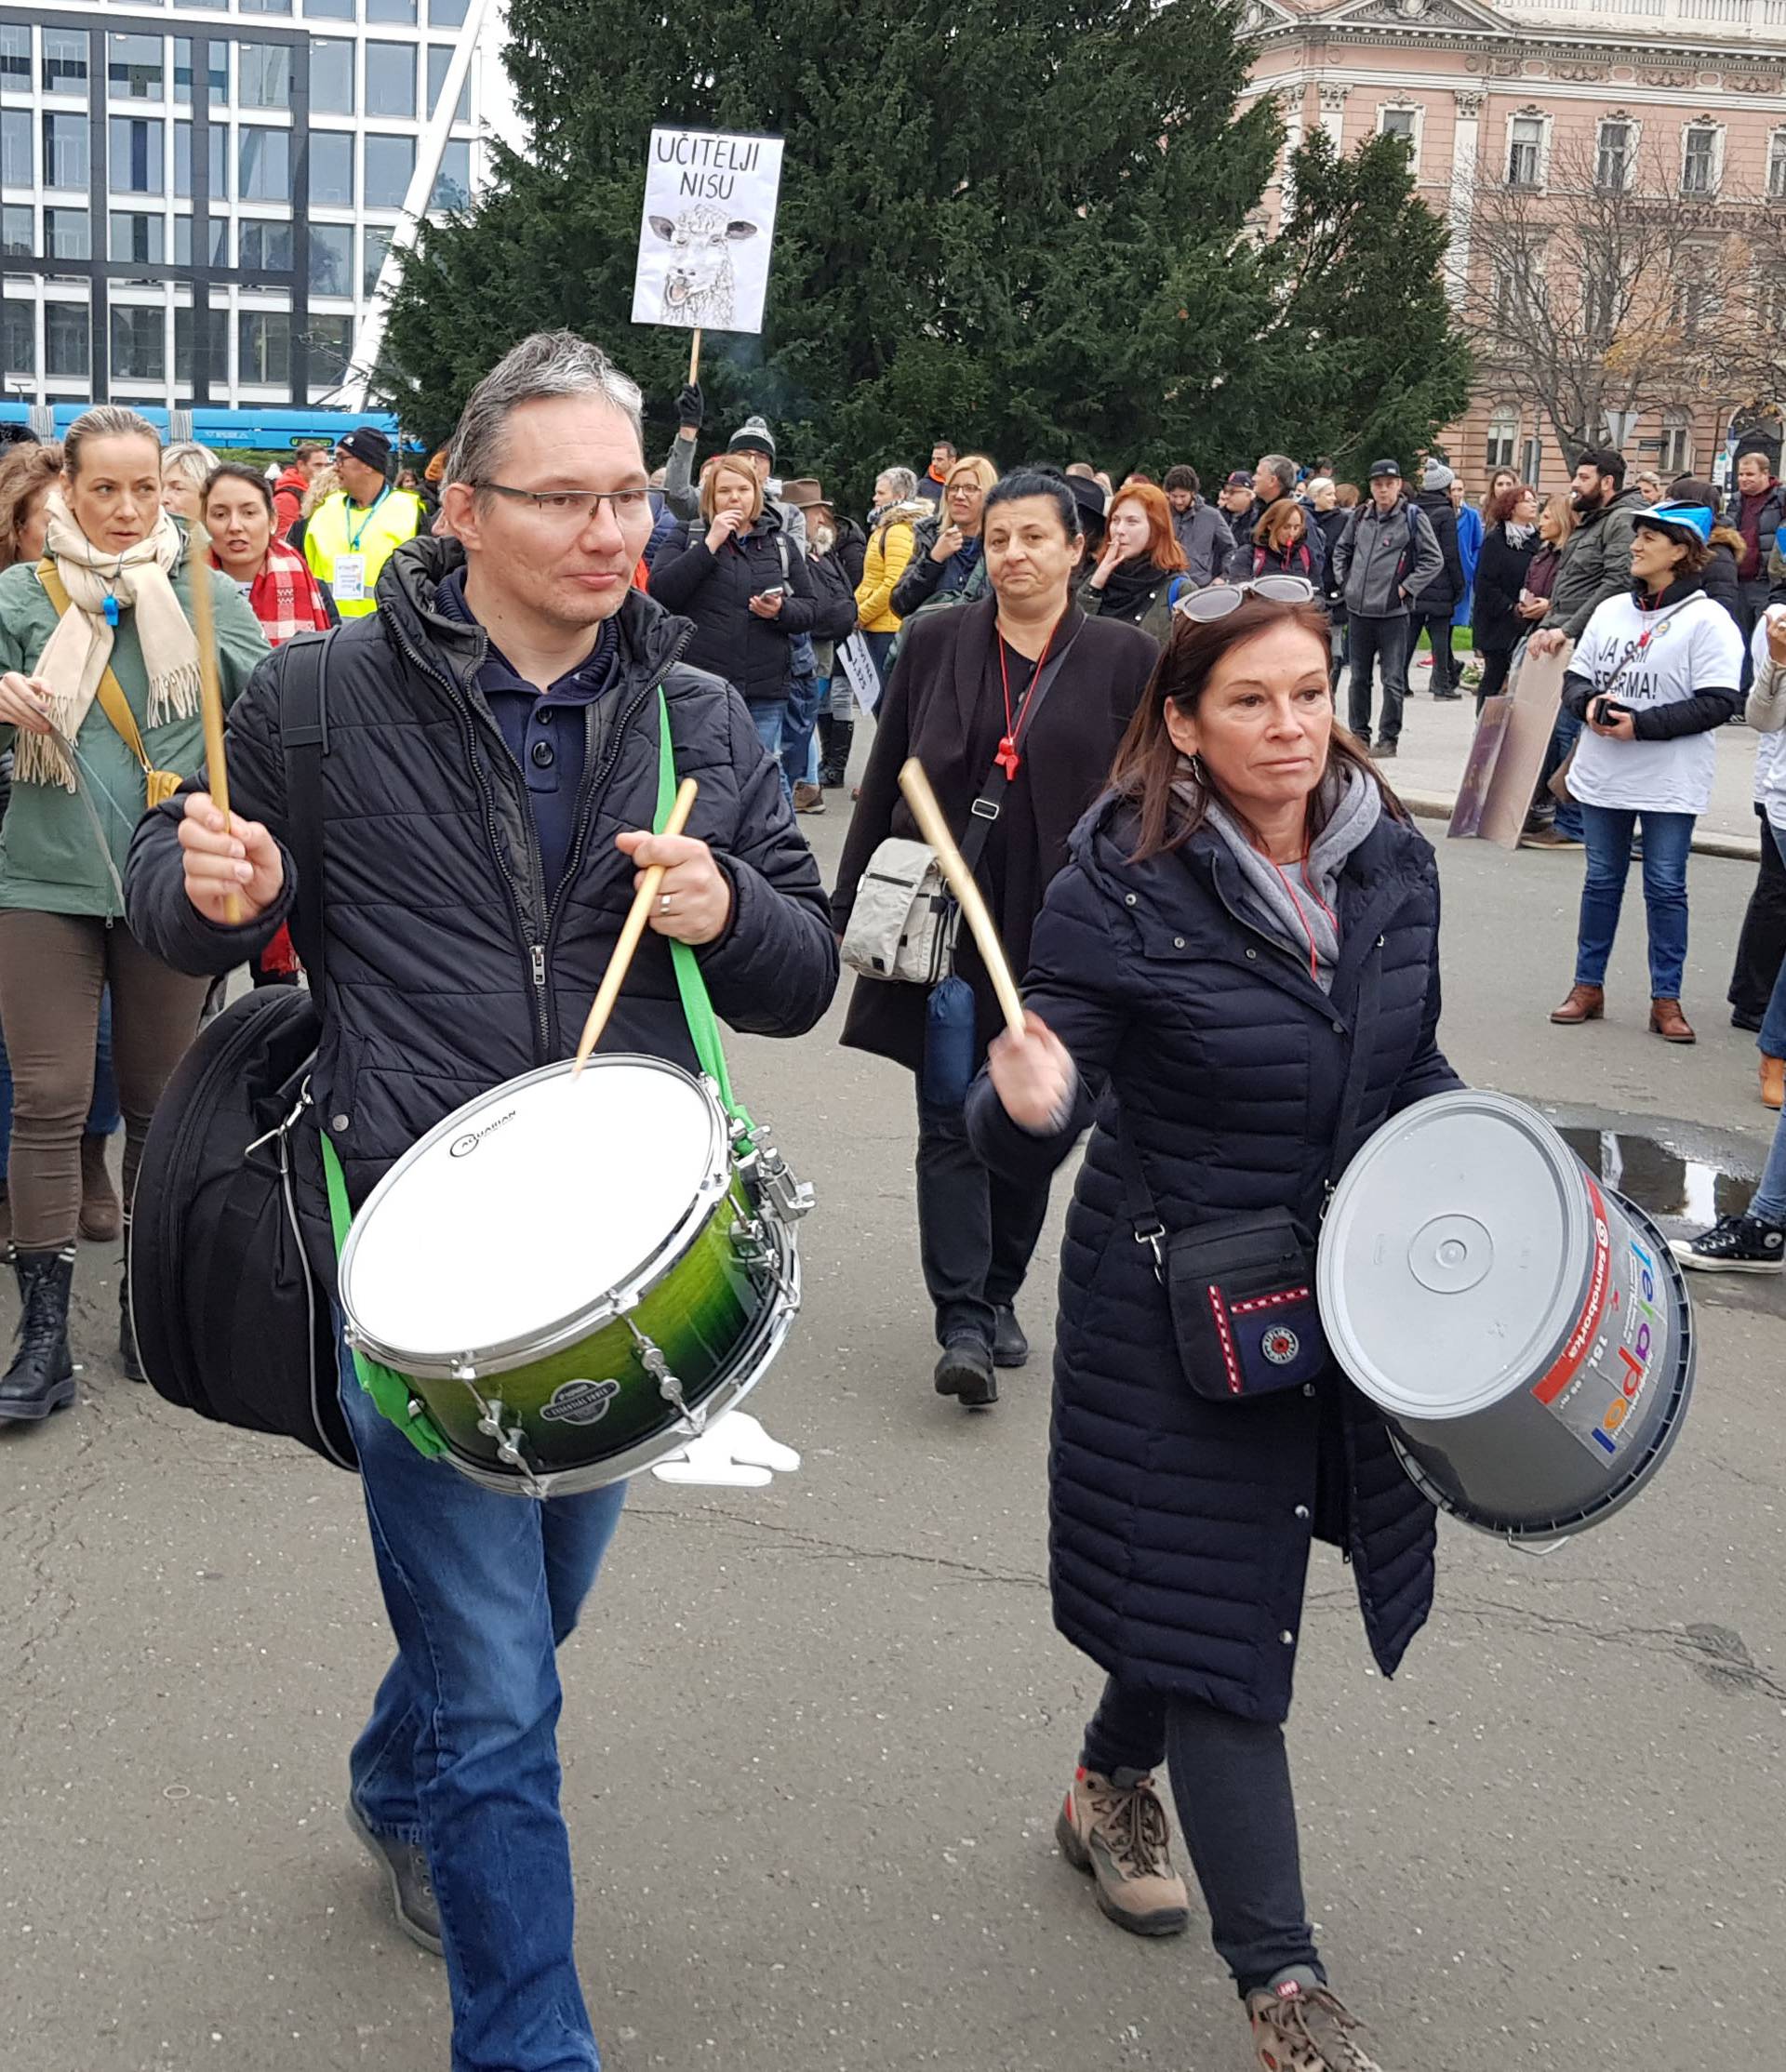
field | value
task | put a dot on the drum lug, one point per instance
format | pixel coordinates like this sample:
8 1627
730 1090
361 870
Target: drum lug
464 1368
788 1198
694 1420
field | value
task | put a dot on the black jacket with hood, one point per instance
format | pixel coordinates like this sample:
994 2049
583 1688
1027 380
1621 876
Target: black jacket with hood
713 592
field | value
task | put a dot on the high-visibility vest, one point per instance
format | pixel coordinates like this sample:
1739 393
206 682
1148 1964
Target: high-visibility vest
337 528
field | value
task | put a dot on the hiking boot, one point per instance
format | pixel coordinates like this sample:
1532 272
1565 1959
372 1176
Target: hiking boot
129 1358
412 1890
1772 1080
1735 1244
966 1372
1298 2025
40 1378
1118 1836
1548 838
101 1213
808 798
1010 1348
1585 1003
1667 1021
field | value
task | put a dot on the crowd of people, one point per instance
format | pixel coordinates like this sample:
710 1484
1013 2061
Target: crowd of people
1125 699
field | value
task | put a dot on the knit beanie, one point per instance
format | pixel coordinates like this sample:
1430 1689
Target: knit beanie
752 436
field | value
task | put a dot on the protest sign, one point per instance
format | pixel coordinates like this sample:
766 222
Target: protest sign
708 225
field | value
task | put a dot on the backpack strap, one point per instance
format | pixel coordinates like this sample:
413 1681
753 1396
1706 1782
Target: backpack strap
110 692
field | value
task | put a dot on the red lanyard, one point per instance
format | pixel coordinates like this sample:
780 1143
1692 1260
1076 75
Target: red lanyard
1295 907
1009 758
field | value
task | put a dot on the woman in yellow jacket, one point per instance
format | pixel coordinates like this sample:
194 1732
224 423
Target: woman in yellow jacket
897 507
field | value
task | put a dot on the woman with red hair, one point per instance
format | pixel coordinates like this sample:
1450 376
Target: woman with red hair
1281 541
1142 566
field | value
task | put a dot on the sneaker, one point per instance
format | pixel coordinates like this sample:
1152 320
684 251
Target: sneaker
1384 751
1119 1837
808 798
1300 2026
1548 838
966 1372
1010 1348
1735 1244
412 1890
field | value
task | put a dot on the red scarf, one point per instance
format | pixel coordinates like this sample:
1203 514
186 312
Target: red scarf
284 596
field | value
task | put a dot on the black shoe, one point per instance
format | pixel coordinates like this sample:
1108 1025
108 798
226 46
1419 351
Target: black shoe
1010 1348
834 759
1741 1019
128 1356
42 1375
1448 697
966 1372
1384 751
1735 1244
412 1890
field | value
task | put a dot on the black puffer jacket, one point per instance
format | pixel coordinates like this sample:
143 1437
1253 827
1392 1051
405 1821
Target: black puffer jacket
451 966
1181 1526
1442 593
713 592
1500 576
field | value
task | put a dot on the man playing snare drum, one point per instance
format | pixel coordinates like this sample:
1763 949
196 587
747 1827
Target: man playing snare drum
492 758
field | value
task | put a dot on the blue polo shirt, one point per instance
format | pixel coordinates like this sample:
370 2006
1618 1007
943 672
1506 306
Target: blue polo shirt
544 729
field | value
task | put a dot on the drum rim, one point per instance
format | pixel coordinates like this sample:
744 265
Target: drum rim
1366 1373
504 1356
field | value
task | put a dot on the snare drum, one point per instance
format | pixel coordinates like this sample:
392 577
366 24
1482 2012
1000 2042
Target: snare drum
574 1275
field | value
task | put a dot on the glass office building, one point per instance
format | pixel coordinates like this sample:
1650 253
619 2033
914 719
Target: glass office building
196 201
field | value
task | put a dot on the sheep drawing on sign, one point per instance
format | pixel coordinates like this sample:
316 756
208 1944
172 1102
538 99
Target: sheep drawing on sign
699 287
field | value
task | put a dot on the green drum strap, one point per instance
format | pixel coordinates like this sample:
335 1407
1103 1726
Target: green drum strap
698 1010
390 1393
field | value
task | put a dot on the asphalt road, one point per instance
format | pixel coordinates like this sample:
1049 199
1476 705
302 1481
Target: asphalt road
814 1736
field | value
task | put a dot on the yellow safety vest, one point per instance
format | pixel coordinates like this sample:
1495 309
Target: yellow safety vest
336 528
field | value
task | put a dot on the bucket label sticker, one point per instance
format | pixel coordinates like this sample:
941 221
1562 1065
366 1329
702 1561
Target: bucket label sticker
579 1403
1598 1381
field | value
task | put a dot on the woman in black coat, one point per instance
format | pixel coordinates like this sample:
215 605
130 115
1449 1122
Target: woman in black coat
1244 902
960 686
1507 548
744 586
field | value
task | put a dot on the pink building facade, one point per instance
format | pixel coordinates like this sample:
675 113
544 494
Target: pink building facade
1496 91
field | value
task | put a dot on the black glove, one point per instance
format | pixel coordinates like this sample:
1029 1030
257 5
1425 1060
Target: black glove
688 407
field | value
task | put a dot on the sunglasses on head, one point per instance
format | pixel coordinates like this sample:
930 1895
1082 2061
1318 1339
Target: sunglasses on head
1219 599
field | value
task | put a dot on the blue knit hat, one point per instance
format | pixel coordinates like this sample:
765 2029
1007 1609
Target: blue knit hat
1676 519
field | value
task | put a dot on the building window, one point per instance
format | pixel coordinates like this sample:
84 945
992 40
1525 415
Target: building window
19 338
331 348
134 68
331 76
68 233
139 344
263 247
137 237
453 182
391 79
1696 299
184 347
263 76
328 10
446 14
15 148
65 61
331 258
1399 122
1613 157
1532 461
264 7
66 160
263 165
1699 160
263 347
375 242
1777 166
219 153
389 163
135 163
400 12
220 241
440 55
15 58
1676 458
331 169
1504 436
217 64
68 347
18 229
1525 152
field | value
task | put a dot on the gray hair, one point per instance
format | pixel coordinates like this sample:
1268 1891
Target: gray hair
549 363
197 464
903 483
1282 467
106 420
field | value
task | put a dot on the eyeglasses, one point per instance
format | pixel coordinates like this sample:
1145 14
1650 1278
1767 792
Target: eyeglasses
573 509
1219 598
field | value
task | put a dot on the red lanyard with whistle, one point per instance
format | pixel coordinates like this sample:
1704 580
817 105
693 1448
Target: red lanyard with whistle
1010 755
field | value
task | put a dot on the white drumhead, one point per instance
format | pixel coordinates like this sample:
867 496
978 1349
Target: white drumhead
528 1206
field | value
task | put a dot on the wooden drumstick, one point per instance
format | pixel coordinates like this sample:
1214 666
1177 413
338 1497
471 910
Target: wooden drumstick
632 928
210 693
969 896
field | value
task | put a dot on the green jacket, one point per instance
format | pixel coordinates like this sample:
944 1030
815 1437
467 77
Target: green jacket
50 860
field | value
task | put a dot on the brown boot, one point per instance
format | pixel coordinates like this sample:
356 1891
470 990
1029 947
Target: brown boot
6 1217
1585 1003
101 1213
1667 1021
1773 1082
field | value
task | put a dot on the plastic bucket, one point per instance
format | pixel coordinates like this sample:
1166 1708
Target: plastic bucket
1526 1330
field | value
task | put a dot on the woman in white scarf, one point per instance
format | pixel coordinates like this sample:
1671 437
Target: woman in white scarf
99 687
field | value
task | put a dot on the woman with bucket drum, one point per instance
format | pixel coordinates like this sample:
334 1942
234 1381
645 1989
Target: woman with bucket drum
1657 672
1014 705
1237 975
100 700
1141 569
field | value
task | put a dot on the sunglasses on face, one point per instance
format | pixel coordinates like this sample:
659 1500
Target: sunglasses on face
1219 598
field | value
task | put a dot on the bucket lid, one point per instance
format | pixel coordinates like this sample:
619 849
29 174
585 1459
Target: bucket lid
1454 1256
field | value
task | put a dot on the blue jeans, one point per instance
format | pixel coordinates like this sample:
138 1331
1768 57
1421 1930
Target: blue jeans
1564 736
880 646
1771 1042
103 1119
1668 839
1769 1203
770 722
806 698
460 1753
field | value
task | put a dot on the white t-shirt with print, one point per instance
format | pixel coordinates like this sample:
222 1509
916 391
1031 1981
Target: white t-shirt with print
1770 750
1668 654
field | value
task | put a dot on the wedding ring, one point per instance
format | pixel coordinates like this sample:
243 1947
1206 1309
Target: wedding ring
663 902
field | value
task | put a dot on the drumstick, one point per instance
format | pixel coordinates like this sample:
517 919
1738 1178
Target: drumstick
210 694
969 896
632 928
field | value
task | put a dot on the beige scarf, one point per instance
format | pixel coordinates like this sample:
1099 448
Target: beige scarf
79 651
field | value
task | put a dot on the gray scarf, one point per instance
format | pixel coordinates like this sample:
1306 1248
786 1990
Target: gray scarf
1298 904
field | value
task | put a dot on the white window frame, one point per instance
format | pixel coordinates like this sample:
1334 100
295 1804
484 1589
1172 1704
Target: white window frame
1716 131
1632 131
1542 167
1415 137
1777 166
1501 438
1675 453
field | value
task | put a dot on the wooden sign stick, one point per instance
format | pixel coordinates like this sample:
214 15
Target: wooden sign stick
969 896
631 930
693 358
210 694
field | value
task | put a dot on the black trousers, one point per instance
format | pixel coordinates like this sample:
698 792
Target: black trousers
977 1233
1369 640
1761 948
1437 627
1495 665
1231 1783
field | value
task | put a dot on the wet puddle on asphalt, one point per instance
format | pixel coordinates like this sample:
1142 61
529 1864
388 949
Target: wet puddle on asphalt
1669 1182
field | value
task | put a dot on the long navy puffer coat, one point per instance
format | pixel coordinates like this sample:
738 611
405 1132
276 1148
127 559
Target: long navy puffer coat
1181 1525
